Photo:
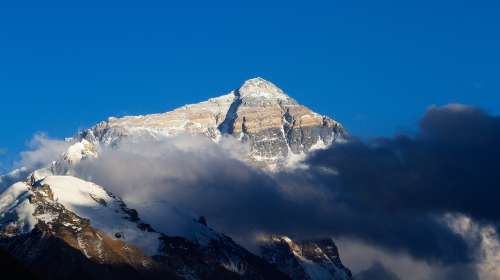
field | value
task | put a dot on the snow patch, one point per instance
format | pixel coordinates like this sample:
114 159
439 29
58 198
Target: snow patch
105 212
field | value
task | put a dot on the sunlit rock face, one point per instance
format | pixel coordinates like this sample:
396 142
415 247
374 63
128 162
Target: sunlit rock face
258 113
305 260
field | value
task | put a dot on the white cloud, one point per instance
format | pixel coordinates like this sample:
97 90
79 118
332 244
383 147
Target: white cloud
486 239
42 150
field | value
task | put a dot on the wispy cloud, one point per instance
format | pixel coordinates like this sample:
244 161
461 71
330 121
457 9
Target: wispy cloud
42 150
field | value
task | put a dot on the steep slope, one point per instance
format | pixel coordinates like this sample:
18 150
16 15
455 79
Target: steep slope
305 260
78 214
258 113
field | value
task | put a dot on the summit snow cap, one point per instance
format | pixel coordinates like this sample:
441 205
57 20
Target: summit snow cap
261 88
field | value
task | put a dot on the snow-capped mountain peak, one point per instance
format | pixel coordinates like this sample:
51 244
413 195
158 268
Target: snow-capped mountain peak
274 126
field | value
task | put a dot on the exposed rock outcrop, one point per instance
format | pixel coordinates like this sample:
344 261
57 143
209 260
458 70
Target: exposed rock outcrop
305 260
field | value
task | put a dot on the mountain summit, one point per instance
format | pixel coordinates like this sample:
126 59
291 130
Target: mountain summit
260 114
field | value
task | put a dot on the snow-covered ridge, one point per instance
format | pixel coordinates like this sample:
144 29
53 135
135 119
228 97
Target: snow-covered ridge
105 211
77 152
87 200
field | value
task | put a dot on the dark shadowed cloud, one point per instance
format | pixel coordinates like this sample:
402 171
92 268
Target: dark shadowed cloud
376 272
401 183
451 165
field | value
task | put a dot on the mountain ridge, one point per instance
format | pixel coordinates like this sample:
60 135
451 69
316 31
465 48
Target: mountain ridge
51 204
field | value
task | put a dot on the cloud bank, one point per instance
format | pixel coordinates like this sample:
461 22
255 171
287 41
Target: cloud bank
395 193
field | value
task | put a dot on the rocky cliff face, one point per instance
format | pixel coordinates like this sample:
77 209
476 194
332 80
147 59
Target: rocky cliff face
258 113
310 259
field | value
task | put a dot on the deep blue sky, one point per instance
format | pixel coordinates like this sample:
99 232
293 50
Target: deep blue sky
373 65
